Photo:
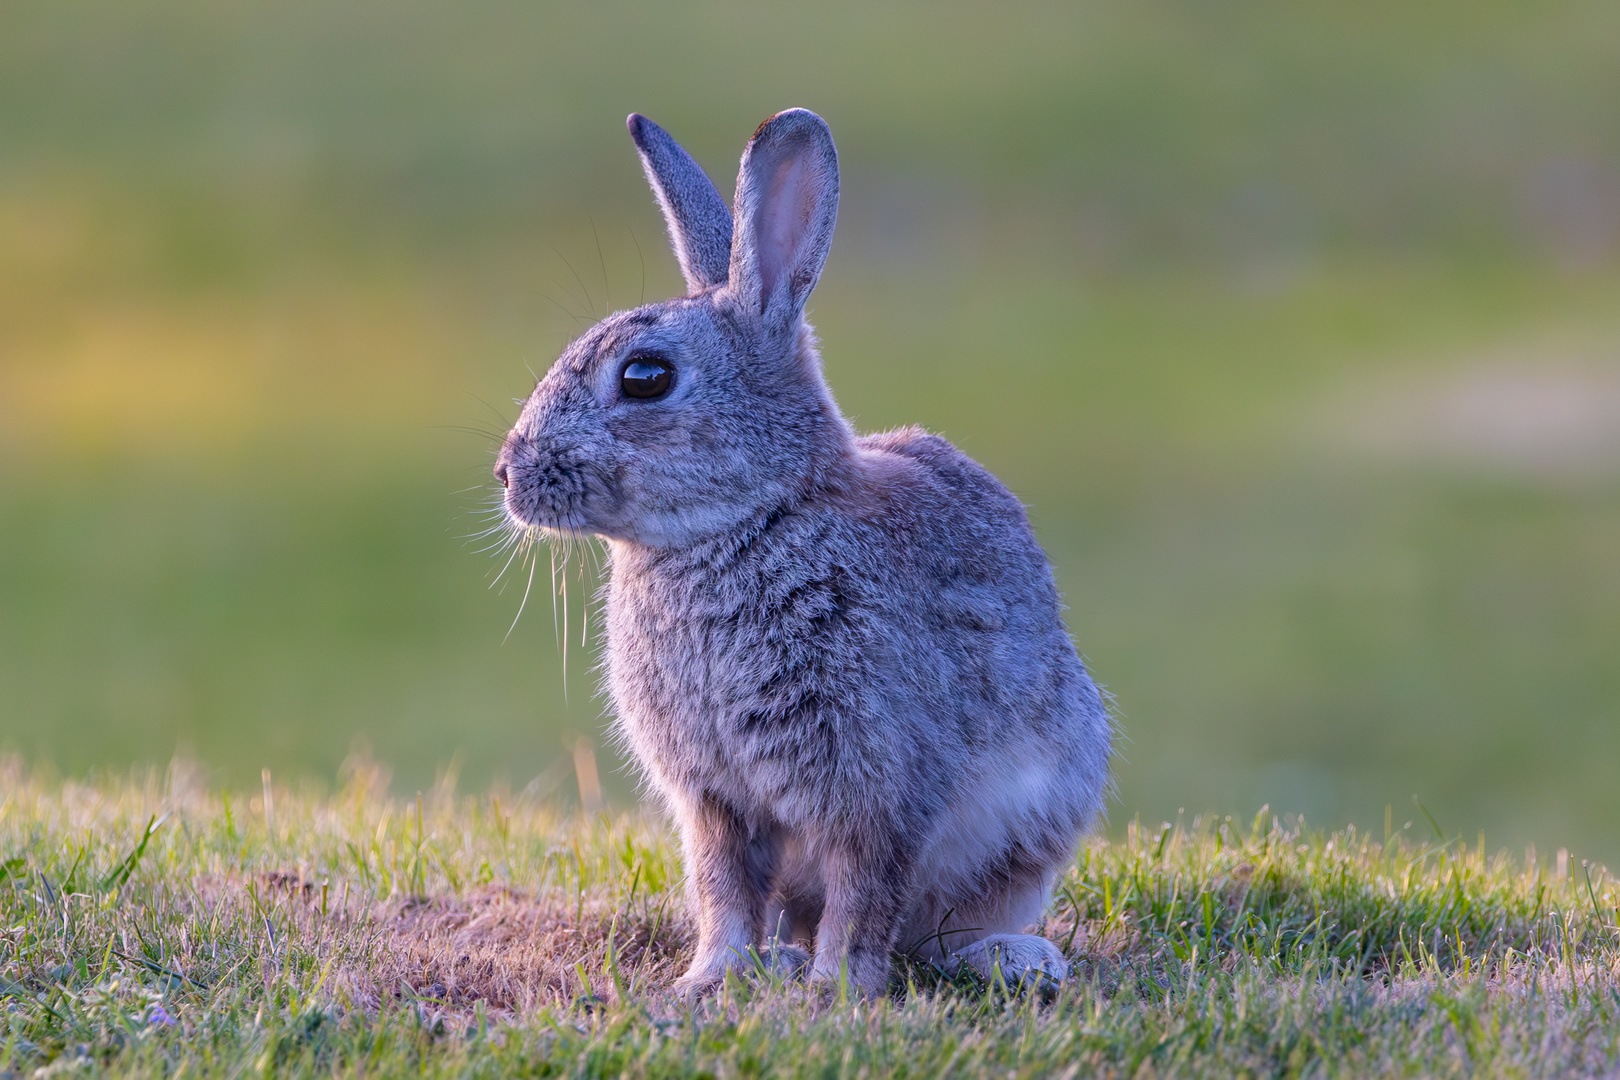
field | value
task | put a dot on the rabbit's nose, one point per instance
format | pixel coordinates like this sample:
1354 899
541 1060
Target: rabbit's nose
503 460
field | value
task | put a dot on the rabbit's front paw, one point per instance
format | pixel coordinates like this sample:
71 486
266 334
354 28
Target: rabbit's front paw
697 985
785 962
1020 958
866 972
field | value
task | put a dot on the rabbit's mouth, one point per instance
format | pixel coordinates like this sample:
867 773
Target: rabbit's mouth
537 518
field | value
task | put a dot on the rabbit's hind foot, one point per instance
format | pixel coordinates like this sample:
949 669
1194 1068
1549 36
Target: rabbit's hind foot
775 963
1020 960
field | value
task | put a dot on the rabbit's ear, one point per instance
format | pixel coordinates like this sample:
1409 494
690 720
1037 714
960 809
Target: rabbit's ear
786 206
699 223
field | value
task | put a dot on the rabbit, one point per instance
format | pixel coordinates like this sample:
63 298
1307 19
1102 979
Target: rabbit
838 659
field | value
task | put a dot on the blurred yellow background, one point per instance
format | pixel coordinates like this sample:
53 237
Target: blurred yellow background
1297 326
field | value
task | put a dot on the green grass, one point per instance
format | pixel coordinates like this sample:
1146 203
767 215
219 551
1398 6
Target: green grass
153 927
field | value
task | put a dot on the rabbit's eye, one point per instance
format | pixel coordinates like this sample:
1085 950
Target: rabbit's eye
646 377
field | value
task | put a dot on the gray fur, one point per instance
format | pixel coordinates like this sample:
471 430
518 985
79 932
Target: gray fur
699 223
839 659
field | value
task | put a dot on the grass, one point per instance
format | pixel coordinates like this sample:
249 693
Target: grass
153 927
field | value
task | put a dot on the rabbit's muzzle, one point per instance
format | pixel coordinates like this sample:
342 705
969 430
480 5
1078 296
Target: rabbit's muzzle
550 487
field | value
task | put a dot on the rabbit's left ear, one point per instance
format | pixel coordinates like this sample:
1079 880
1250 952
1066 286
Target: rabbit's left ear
699 223
786 206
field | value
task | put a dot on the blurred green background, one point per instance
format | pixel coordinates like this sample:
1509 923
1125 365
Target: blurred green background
1297 326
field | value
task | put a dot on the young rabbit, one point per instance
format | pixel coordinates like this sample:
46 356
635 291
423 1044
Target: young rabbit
838 658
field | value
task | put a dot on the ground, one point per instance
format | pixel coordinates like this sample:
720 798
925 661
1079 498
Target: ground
151 927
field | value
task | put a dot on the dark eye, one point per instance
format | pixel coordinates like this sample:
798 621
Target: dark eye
646 377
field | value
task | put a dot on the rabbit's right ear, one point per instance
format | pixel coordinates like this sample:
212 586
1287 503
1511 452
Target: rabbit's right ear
699 223
786 206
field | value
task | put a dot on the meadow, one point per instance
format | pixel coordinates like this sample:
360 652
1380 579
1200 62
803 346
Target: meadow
153 927
1296 328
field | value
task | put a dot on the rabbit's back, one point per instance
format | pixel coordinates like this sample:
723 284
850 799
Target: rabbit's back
882 648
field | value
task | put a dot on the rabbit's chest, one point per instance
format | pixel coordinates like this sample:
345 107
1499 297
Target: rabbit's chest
744 691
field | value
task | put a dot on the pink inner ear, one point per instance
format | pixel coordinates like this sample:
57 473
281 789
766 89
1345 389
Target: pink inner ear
779 227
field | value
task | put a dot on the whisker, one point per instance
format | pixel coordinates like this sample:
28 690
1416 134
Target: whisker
498 546
522 605
643 299
566 550
480 486
588 301
561 308
498 523
471 429
566 553
516 551
585 609
500 417
555 633
607 294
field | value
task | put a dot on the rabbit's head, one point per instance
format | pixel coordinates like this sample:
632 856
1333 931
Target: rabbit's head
685 418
